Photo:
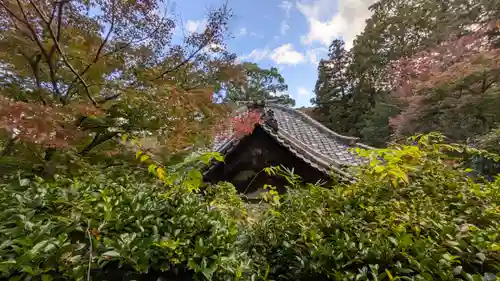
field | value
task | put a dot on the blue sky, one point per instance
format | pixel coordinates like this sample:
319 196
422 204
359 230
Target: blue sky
292 35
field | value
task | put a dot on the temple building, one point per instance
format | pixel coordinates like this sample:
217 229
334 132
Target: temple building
285 137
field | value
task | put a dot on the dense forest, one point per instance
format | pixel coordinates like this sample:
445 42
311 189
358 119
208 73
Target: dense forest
418 67
105 118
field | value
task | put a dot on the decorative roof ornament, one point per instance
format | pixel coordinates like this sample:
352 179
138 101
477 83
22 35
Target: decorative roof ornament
270 120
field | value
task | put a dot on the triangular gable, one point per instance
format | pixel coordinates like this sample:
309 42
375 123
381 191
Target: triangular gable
320 147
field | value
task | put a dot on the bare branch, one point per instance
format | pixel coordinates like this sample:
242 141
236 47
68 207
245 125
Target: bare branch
54 8
203 45
111 27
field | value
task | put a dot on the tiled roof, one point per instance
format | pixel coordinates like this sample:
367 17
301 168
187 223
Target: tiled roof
308 139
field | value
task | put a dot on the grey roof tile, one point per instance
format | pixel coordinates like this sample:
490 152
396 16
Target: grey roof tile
306 138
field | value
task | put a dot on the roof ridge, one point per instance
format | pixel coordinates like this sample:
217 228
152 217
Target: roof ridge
311 120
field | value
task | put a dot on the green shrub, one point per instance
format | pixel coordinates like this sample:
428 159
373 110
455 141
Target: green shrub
413 215
138 231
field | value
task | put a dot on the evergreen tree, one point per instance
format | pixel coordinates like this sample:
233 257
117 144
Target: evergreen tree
396 29
333 88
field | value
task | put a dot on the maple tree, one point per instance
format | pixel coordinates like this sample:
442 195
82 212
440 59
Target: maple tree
239 125
396 29
453 87
77 74
245 123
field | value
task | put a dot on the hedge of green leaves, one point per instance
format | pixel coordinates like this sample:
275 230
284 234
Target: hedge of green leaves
135 228
414 214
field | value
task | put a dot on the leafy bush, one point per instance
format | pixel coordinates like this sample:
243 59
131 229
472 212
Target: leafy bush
123 229
413 215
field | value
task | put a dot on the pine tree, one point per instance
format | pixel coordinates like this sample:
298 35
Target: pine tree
333 88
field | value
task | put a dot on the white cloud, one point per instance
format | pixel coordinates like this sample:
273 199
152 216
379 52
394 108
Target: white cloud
286 6
284 27
242 32
303 92
313 55
333 19
196 25
255 55
286 54
213 48
283 55
253 34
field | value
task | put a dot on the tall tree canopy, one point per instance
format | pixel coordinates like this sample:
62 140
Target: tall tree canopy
333 88
453 87
397 29
77 74
259 84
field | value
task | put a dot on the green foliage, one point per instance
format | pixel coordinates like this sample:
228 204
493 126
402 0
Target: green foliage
259 84
334 90
491 141
374 124
119 227
486 164
412 215
352 83
415 213
73 81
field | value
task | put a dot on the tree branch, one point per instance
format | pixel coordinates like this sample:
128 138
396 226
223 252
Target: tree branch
111 27
97 56
59 16
185 61
63 56
98 140
42 49
34 63
181 63
12 13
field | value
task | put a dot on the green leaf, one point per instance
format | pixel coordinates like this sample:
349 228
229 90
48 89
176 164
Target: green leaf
144 158
393 241
481 256
208 273
151 168
39 246
112 254
138 153
389 274
495 247
24 182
